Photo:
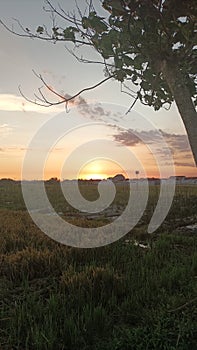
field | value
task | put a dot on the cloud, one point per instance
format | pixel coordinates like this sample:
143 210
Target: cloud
132 137
14 103
60 79
178 143
15 148
5 130
94 111
185 164
18 148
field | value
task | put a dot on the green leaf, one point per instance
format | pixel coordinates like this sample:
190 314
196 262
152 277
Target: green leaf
120 75
128 61
40 30
118 62
94 22
69 34
85 23
55 31
105 45
98 25
138 61
128 71
96 41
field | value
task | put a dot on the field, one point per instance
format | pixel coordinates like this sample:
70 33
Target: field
118 297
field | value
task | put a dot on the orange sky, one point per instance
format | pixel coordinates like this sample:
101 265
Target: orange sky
11 165
20 120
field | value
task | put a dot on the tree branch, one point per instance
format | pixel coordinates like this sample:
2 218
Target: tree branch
132 105
85 60
46 103
29 34
61 13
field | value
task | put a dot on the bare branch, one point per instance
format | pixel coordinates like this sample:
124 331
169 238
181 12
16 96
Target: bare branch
85 60
78 9
90 6
28 34
43 101
131 92
71 19
135 97
133 104
61 13
39 76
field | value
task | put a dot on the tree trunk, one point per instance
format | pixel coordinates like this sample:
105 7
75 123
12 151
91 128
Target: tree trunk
183 101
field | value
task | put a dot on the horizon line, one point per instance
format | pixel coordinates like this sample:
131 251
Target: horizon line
100 179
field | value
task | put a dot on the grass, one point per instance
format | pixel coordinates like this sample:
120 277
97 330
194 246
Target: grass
118 297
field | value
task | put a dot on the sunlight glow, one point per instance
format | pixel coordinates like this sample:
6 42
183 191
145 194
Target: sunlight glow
95 170
95 176
100 169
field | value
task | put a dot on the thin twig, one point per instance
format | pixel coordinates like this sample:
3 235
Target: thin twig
133 104
46 103
29 34
85 60
61 14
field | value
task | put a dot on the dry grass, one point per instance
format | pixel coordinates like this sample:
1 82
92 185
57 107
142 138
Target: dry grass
110 298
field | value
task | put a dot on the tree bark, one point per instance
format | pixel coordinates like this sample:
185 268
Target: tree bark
183 101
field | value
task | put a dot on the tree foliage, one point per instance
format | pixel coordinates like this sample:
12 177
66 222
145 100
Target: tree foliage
151 44
135 39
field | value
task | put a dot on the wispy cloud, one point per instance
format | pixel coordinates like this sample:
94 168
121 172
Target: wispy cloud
133 137
14 103
178 143
22 148
185 164
5 130
94 110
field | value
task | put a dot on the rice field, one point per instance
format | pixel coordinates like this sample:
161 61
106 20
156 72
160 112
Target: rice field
117 297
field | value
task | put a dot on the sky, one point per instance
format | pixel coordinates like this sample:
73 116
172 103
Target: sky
94 138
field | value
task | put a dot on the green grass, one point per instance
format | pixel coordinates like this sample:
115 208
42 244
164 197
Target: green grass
118 297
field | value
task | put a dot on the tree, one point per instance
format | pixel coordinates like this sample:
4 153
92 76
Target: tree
148 43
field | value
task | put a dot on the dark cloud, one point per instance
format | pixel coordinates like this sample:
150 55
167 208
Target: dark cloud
133 137
94 111
185 164
127 138
188 156
177 143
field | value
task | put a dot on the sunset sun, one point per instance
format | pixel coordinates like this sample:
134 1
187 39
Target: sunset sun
100 169
94 170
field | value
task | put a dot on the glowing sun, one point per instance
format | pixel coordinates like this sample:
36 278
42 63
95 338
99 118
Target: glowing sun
95 170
